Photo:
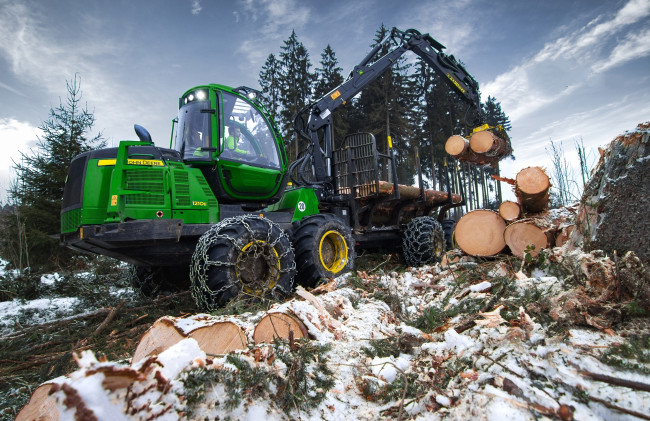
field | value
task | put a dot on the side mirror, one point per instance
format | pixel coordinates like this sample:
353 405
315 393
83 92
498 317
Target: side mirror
142 133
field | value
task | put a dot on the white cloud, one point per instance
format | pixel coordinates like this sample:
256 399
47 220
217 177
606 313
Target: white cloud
562 66
15 136
196 7
274 19
633 47
37 57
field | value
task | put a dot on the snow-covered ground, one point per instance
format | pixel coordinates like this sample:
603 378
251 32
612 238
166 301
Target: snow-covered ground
491 368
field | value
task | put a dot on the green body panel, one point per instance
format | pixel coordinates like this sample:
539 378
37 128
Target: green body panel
302 201
192 199
241 181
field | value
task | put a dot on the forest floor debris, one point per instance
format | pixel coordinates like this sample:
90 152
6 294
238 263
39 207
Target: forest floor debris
562 335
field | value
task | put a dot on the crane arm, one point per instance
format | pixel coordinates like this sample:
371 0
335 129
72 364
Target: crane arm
320 112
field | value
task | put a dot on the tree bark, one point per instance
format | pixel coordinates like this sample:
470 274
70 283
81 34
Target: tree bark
480 233
613 213
532 189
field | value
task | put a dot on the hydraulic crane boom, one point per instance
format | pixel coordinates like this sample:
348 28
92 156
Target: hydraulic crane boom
320 112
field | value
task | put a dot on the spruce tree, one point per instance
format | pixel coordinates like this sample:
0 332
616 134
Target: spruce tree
329 77
270 82
296 82
41 175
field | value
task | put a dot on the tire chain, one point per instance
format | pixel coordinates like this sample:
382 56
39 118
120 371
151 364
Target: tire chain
418 250
201 262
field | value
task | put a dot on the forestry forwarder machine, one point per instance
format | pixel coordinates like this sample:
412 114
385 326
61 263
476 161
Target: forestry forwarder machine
224 202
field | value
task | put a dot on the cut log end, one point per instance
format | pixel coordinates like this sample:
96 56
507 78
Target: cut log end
41 406
486 142
278 325
509 210
480 233
525 235
213 338
456 145
532 180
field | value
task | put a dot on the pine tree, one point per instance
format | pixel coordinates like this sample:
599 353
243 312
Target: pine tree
41 175
295 86
270 82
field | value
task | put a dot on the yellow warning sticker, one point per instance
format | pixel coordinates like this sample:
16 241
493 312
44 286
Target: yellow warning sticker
114 200
335 95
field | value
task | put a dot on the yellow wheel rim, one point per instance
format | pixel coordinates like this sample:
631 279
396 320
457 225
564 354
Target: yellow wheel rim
257 267
333 251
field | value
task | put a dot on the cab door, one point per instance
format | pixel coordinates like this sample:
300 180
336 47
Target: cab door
249 165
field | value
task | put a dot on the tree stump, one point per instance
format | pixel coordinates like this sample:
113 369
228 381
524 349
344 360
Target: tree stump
213 336
278 325
532 189
613 213
480 233
509 210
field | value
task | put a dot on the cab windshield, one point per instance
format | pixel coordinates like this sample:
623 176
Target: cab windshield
248 137
193 133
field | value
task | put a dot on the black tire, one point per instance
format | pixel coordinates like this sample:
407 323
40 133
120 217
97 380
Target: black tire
423 242
150 281
448 226
324 248
246 254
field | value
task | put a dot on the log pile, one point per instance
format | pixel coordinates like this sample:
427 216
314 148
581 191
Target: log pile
524 226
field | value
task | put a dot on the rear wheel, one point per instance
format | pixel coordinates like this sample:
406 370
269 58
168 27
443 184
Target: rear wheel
324 248
423 242
246 254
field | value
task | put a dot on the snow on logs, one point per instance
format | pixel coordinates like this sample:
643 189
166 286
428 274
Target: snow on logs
213 335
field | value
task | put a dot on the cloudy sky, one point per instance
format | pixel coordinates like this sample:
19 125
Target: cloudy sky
562 70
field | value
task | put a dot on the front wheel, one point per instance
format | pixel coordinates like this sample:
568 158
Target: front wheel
245 254
423 241
324 248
